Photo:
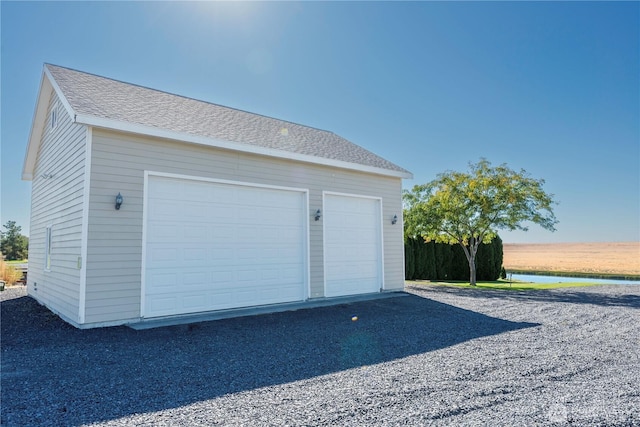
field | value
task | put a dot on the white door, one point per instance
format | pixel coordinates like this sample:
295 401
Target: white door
352 245
212 246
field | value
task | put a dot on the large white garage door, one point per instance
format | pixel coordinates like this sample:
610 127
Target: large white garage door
352 245
212 246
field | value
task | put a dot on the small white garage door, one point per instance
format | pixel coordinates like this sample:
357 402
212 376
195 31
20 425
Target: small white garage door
212 246
352 245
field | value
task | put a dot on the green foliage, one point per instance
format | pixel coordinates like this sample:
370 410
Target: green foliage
442 261
470 208
419 259
514 286
459 263
13 244
409 259
489 260
498 259
429 259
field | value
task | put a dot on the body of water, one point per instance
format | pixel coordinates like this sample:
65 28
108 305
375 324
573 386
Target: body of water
560 279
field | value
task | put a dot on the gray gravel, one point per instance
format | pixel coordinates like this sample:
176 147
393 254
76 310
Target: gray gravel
439 356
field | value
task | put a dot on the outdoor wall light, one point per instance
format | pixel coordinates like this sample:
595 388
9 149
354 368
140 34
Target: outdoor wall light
318 215
394 219
119 201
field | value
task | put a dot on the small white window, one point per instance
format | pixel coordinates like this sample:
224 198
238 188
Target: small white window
54 118
47 249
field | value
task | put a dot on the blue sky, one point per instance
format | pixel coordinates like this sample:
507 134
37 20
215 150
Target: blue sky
552 88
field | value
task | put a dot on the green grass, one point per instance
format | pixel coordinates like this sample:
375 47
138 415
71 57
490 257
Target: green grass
24 261
580 274
504 285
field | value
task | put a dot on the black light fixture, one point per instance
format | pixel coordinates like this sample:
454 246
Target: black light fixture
318 215
394 219
119 201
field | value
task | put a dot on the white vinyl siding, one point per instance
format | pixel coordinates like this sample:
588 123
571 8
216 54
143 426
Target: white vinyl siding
114 253
56 205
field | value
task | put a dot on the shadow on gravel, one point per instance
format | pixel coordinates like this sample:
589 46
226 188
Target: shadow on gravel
54 374
567 295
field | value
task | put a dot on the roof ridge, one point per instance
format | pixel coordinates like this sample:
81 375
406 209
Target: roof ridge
193 99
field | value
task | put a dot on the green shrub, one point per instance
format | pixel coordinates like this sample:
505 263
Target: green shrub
441 261
409 260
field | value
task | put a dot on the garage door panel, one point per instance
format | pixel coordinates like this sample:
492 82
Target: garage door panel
194 302
222 233
163 304
168 190
195 256
161 232
196 232
196 280
233 246
160 256
192 211
227 193
270 276
248 215
165 280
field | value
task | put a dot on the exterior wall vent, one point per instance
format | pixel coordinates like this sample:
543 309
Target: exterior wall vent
54 118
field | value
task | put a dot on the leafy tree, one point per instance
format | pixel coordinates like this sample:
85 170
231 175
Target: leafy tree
470 208
13 244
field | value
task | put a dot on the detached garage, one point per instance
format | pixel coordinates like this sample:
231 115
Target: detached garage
148 205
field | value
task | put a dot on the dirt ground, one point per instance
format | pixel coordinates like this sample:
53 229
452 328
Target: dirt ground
618 257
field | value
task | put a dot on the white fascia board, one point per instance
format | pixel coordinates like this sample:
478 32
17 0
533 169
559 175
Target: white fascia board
218 143
37 127
63 100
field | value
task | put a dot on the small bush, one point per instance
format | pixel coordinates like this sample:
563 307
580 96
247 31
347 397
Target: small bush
8 273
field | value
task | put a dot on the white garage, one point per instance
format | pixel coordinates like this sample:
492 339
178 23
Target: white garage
212 245
175 206
352 244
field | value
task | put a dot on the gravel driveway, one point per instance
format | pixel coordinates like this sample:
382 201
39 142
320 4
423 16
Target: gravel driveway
437 356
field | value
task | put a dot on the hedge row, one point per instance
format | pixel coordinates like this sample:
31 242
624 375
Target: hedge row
441 261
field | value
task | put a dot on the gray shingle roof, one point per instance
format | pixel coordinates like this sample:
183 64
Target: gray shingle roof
104 98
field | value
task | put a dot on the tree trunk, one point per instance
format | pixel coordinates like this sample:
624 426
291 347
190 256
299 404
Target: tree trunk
471 252
472 269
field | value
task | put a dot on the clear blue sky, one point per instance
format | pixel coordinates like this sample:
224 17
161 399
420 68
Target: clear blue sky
553 88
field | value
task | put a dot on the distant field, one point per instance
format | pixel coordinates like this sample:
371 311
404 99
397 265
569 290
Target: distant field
619 258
